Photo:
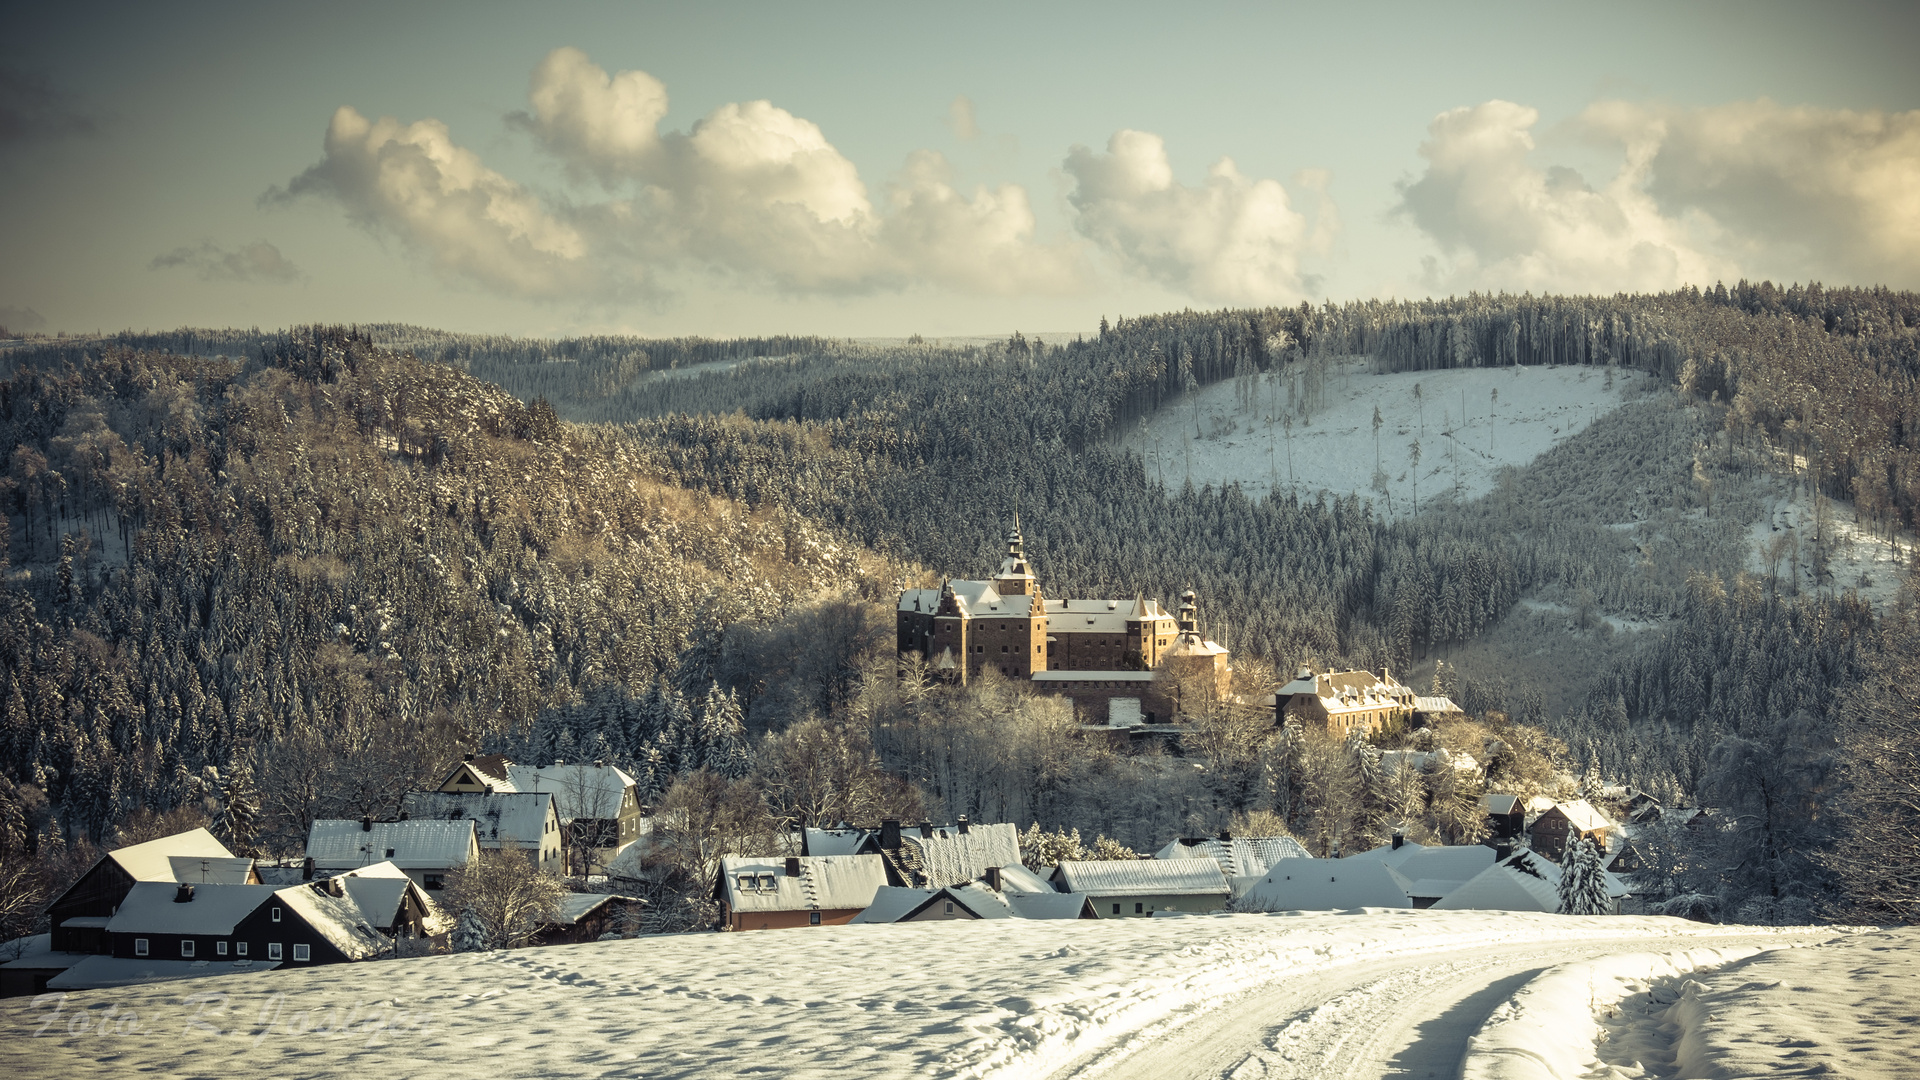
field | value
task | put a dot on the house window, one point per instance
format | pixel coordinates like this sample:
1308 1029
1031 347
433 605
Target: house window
220 947
746 882
273 950
766 883
435 881
240 948
813 918
1116 909
1139 909
139 946
949 910
389 853
186 946
303 952
276 918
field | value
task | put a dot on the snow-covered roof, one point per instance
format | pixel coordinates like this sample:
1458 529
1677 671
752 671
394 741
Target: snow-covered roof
979 599
1387 853
1015 878
1581 815
1128 877
152 861
1506 886
1494 803
36 954
1241 856
922 600
891 903
1048 905
825 882
1425 704
834 841
210 869
96 972
377 890
950 856
1456 864
1325 885
336 918
214 910
577 906
1193 644
336 844
513 817
582 791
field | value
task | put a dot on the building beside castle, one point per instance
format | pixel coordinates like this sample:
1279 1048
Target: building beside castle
1121 661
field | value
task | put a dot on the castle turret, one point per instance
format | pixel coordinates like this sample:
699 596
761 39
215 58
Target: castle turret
1015 577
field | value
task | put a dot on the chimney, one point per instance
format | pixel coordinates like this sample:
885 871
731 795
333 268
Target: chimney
1226 837
1399 839
184 894
599 763
336 887
306 869
793 866
466 757
926 829
994 880
366 824
890 835
403 815
962 824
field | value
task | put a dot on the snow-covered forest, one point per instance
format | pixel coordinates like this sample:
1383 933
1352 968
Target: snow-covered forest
287 575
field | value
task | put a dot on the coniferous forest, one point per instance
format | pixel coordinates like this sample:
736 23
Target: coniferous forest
268 577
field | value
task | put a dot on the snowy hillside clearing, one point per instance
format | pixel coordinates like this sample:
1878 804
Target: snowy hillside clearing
1781 545
1466 435
1008 998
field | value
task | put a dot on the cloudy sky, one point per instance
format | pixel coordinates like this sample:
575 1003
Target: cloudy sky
888 169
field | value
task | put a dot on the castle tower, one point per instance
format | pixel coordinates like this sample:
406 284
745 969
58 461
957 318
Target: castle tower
1016 577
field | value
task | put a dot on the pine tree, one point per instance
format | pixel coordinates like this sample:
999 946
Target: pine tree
471 933
1583 881
239 812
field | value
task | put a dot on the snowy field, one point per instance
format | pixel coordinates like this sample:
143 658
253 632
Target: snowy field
1004 998
1465 435
1780 543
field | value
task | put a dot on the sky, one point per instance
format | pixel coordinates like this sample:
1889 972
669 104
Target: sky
881 170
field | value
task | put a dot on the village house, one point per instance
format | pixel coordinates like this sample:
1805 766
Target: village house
1130 888
1506 817
524 821
1340 702
1554 829
429 851
598 804
589 917
925 855
1523 881
1102 654
759 893
1237 856
390 902
179 930
77 918
1428 874
1002 893
1325 885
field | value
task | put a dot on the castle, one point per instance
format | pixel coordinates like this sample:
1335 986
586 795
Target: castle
1123 662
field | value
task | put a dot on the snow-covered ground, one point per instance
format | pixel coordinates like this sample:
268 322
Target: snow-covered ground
1465 435
1004 998
1781 541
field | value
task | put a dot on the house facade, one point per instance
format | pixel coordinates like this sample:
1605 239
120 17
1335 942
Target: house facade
78 917
1555 828
1341 702
757 893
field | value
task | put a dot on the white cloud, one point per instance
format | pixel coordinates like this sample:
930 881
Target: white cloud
258 261
751 190
1791 185
1231 239
1506 223
413 182
1701 194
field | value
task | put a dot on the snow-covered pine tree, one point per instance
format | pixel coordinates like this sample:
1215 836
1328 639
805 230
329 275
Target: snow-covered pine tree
470 935
239 808
1591 785
1371 786
1583 881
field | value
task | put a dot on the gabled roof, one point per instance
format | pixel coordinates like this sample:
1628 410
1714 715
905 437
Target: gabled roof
214 910
1127 877
212 869
487 770
334 844
1437 704
1581 815
152 861
1015 878
1240 856
1457 864
892 904
577 906
1500 804
825 883
1504 888
921 600
1387 853
836 841
581 791
378 891
336 918
1325 885
950 856
499 817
